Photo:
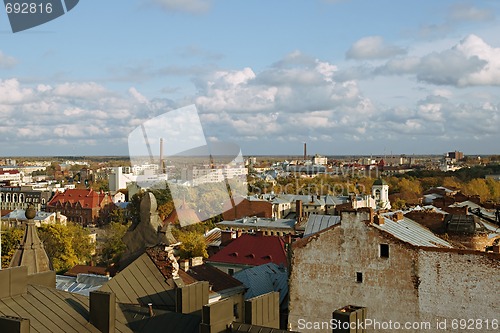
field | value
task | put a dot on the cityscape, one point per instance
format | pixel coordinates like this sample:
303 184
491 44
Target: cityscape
208 166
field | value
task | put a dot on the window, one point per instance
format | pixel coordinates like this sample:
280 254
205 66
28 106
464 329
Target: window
384 250
359 277
230 271
235 311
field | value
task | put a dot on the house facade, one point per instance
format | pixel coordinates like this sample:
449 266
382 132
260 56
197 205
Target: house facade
396 270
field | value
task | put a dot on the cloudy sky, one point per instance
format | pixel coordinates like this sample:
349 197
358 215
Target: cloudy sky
345 76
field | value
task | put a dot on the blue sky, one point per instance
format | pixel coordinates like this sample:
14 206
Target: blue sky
345 76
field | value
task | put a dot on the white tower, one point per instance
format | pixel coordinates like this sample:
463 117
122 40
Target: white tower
380 192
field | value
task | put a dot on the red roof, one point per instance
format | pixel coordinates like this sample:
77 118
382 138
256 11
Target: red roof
254 250
9 172
86 198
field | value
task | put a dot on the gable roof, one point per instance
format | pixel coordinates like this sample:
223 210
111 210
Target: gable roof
86 198
218 279
252 250
263 279
141 283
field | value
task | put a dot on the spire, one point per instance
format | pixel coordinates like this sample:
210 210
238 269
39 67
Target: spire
30 252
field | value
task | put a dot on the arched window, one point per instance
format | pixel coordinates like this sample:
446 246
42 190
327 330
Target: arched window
377 194
21 197
7 197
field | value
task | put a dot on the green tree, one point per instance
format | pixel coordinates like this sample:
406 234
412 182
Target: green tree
193 244
113 246
11 238
66 246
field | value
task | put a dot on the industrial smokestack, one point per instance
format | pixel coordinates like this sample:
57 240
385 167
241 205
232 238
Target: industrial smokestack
305 151
161 156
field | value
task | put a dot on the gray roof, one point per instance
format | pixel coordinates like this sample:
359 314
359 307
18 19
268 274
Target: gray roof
52 310
411 232
264 279
316 223
258 222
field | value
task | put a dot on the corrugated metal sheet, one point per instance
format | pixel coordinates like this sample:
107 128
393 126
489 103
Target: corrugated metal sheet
82 284
257 222
412 232
316 223
263 279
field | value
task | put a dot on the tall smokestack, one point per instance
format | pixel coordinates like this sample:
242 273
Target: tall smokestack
161 156
305 151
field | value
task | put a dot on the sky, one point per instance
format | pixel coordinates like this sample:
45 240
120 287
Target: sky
349 77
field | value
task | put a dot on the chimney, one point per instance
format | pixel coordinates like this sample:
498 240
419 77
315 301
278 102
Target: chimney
14 324
196 261
379 220
161 157
151 313
184 265
102 311
226 237
496 248
288 239
298 209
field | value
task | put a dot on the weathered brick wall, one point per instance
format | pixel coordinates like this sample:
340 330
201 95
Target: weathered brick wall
249 208
323 276
459 285
432 220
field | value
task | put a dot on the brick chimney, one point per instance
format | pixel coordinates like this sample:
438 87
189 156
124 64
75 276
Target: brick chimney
226 237
298 209
103 311
378 219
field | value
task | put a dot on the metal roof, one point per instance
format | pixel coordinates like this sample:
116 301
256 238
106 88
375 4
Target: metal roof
316 223
82 284
263 279
141 282
411 232
52 310
259 222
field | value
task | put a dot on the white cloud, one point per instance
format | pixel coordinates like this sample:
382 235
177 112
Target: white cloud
191 6
373 47
7 61
466 12
83 90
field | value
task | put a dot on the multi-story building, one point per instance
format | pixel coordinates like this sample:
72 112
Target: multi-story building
82 206
19 197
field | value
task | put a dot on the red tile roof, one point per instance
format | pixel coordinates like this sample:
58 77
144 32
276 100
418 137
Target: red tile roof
86 198
254 250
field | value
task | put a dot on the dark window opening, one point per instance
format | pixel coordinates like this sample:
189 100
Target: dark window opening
359 277
230 271
235 311
384 250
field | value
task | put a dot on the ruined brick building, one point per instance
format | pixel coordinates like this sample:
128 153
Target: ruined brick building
395 268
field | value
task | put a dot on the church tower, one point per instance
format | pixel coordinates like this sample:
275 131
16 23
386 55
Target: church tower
380 192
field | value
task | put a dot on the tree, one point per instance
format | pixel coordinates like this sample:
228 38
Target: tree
193 244
66 246
113 246
10 241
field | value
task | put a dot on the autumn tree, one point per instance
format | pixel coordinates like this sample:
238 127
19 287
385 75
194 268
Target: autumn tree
193 244
10 241
66 246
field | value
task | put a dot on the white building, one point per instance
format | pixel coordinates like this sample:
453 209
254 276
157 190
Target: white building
118 179
380 191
